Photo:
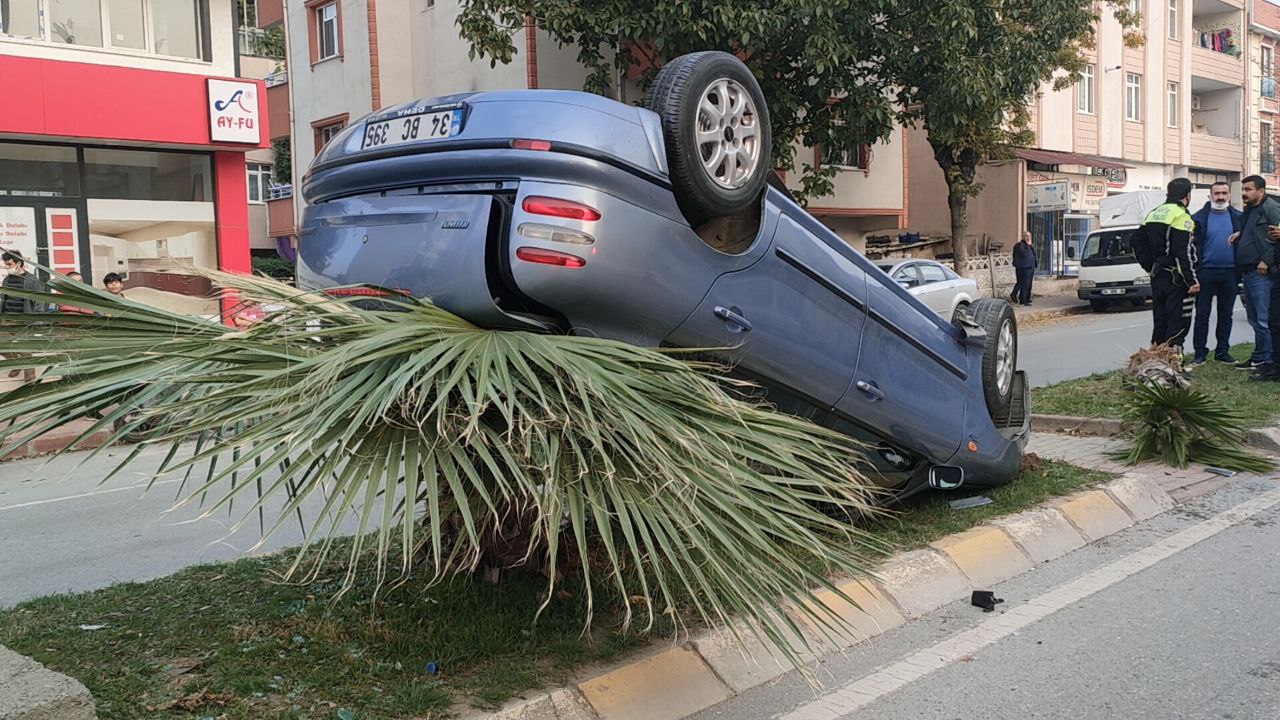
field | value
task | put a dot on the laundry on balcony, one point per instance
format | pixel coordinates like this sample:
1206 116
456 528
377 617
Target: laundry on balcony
1224 41
1268 87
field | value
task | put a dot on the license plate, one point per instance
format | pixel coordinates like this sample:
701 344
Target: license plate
411 128
1113 291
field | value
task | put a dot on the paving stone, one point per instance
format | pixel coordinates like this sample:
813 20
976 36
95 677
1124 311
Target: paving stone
1141 496
30 691
1094 514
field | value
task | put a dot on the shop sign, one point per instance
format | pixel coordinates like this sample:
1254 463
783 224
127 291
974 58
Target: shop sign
1087 193
233 112
1116 177
1047 197
18 232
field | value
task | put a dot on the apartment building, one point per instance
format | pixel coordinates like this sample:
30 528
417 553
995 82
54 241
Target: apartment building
347 58
123 149
1173 105
1264 106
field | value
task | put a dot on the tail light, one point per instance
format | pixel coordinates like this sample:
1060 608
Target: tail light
549 257
366 292
541 145
555 207
538 231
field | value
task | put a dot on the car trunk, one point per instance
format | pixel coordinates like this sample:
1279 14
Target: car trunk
442 247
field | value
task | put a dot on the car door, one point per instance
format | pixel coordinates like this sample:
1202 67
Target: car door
938 290
911 384
907 276
793 320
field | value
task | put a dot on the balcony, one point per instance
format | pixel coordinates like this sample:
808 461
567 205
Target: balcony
261 43
269 12
278 115
1216 153
280 222
1217 66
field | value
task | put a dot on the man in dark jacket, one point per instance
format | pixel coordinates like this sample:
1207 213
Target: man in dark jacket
1168 231
1024 267
1255 261
18 278
1216 223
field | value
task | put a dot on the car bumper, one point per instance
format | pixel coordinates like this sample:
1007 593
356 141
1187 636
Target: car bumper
1125 292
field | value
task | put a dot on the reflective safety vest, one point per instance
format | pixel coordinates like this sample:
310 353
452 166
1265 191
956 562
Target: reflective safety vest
1174 216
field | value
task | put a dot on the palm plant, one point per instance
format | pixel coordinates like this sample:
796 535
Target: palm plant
1179 424
454 448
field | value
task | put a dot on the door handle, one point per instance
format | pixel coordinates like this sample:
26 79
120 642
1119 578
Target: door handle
871 390
733 316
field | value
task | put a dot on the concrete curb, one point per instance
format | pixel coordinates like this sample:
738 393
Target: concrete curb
30 691
676 681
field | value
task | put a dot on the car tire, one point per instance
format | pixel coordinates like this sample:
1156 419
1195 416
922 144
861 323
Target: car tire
962 308
1099 305
1000 355
700 141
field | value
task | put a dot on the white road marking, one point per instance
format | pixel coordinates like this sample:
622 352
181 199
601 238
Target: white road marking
862 692
1126 327
141 486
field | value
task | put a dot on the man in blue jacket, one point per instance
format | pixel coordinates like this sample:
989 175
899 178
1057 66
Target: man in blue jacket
1216 224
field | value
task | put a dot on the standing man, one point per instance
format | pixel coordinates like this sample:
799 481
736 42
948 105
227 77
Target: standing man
1216 226
19 279
1024 266
1167 232
1254 261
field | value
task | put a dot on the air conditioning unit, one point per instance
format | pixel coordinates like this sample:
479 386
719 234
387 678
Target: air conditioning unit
1195 102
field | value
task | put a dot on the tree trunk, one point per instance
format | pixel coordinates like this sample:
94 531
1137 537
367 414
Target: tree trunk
958 202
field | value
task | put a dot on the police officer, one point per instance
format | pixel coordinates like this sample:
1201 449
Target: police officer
1169 230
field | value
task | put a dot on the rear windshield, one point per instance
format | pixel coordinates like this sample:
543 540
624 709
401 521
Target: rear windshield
1107 247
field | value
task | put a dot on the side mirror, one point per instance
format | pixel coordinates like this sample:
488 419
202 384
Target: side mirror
1071 252
906 285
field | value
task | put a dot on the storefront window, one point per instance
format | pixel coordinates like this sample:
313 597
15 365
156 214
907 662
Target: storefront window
76 22
38 170
147 175
177 28
128 24
20 18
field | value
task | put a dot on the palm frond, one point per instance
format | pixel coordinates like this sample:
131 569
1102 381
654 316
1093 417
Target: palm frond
451 447
1180 425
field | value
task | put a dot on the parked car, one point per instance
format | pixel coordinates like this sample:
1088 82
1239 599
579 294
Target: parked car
935 284
665 225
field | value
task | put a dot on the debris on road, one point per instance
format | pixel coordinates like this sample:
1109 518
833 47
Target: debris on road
985 599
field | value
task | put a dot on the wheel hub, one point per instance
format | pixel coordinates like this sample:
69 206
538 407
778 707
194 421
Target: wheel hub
728 134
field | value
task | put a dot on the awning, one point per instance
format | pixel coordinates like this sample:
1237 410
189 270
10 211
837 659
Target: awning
1053 157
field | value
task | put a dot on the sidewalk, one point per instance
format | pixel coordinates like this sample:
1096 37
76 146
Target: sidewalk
1095 453
59 439
1050 306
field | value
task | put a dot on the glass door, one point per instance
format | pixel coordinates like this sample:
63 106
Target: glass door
1075 229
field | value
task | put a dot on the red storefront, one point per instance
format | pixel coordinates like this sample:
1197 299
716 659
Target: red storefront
138 172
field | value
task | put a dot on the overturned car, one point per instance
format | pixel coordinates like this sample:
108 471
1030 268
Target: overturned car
665 225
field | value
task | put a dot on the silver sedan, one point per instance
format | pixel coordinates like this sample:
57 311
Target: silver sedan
936 285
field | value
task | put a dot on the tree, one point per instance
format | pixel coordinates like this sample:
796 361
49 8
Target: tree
966 71
820 86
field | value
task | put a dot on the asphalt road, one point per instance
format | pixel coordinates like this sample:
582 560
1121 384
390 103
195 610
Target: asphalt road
61 530
1086 344
1180 623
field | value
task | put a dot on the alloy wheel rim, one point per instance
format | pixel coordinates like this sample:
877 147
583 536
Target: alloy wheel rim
727 133
1004 357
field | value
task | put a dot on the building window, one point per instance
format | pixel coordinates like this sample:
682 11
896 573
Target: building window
1084 90
327 31
259 182
162 27
856 156
1173 105
1174 33
111 174
1135 6
1133 97
327 129
1265 60
1266 148
20 18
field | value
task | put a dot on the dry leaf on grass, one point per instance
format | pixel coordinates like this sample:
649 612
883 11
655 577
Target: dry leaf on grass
195 701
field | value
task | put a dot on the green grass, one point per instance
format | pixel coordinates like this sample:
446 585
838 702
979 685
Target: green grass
1100 396
271 650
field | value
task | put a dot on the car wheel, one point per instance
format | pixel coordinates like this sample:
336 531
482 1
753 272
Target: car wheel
1000 356
1098 305
716 129
962 308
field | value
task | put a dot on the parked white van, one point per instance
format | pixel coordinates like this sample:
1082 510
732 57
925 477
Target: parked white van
1109 273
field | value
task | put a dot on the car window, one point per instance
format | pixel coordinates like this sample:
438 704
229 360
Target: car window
951 275
932 273
908 274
